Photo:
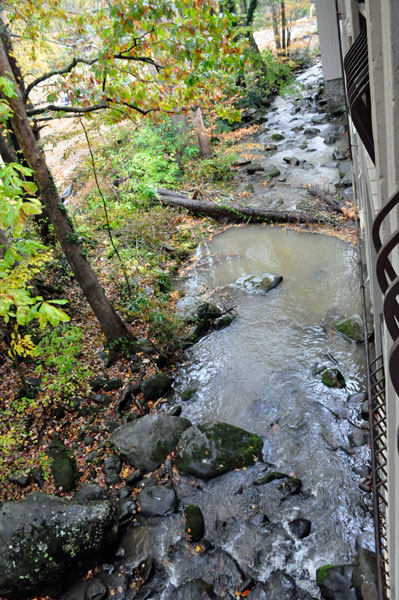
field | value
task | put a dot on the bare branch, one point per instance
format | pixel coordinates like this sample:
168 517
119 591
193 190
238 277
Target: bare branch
78 110
62 71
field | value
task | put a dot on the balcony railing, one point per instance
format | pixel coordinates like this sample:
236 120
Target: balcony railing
356 66
388 281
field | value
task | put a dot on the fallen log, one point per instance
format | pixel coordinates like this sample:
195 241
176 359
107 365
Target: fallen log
233 211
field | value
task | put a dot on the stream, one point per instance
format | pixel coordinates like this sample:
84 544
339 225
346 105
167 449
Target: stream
262 373
258 374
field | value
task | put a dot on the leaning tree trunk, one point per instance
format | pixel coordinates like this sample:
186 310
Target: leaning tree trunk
112 325
204 145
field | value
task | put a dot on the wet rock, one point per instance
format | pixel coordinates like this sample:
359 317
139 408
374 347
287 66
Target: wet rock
207 314
254 168
338 155
352 328
365 574
112 479
157 501
188 393
270 147
358 437
279 586
155 386
194 524
291 160
258 283
336 582
196 589
290 486
269 477
358 397
112 464
146 442
223 321
300 527
319 119
44 537
176 411
91 492
216 567
134 477
303 146
96 590
19 478
271 171
207 451
298 128
333 378
125 508
277 137
113 384
62 466
364 410
311 131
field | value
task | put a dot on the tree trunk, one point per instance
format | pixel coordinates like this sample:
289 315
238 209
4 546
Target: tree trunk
179 121
204 145
276 30
283 25
112 325
231 211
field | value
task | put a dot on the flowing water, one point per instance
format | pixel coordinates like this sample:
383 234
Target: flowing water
258 374
262 373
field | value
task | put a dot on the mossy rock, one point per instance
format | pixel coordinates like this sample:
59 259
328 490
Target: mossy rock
333 378
44 539
188 393
223 321
208 311
336 582
194 525
155 386
351 327
207 451
277 137
63 466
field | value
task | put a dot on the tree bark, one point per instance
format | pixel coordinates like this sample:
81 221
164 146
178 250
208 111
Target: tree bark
232 211
111 324
283 25
204 145
276 30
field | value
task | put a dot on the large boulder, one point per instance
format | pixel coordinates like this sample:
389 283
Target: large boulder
207 451
146 443
336 582
156 385
351 327
44 538
257 284
365 574
157 501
